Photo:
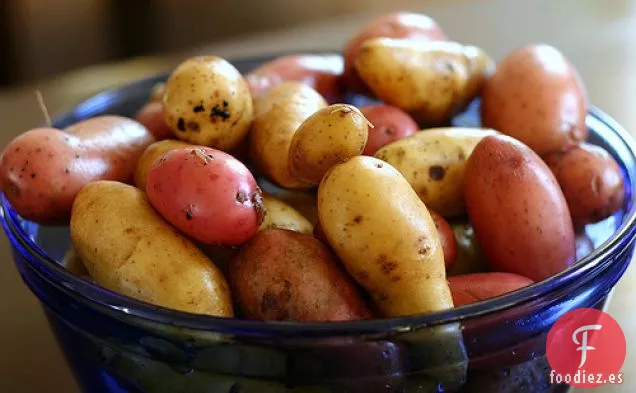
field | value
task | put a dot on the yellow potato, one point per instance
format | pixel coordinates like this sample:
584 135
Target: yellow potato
207 102
330 136
281 215
278 114
433 163
385 236
126 247
431 80
150 155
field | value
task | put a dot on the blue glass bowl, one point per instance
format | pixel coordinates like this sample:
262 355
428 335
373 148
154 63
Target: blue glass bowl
117 344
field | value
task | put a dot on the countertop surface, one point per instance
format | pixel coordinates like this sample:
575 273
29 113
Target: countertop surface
598 36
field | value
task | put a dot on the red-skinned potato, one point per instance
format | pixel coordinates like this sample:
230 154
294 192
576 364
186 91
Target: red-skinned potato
396 25
285 275
207 194
447 237
151 116
472 288
519 214
322 72
42 170
590 180
537 97
389 124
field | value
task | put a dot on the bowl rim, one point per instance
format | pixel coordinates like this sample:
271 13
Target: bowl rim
94 296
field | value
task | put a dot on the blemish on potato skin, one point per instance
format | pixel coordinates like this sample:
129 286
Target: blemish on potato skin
436 172
181 124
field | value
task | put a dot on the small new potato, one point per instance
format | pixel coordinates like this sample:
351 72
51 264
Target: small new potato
408 25
42 170
537 97
278 114
207 194
281 215
150 155
433 163
288 276
384 236
328 137
591 181
128 248
472 288
432 81
304 201
390 124
207 102
519 214
322 72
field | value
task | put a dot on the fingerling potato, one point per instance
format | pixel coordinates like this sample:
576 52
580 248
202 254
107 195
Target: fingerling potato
136 253
537 97
433 162
207 102
288 276
390 124
395 25
42 170
328 137
281 215
150 155
591 181
321 72
278 114
432 81
384 236
519 214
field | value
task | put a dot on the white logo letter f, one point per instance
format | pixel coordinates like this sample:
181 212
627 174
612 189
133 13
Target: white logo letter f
584 347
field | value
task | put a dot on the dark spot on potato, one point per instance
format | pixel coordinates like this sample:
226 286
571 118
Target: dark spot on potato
275 301
33 175
193 126
423 250
38 150
17 149
50 155
357 219
188 212
225 104
461 156
129 231
181 124
198 108
218 112
241 197
24 166
436 172
379 165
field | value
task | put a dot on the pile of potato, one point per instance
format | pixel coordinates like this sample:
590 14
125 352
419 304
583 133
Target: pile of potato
266 196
